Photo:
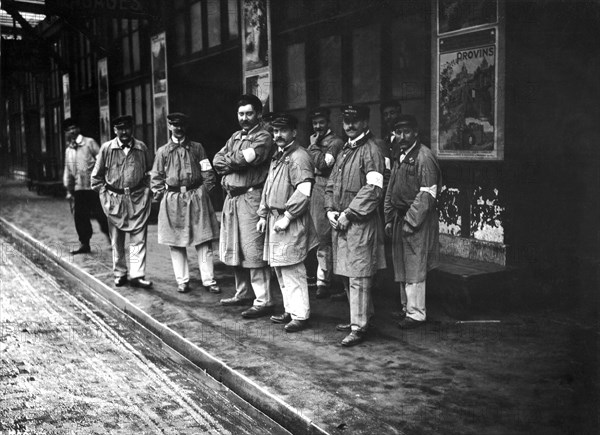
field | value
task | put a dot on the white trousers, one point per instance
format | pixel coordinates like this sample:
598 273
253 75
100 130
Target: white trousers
253 283
294 288
412 295
205 263
325 265
137 251
358 291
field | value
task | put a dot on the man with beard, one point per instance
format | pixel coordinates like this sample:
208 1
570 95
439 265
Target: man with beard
352 198
182 178
324 148
120 177
411 218
244 163
285 218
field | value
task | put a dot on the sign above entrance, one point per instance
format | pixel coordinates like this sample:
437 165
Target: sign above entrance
103 8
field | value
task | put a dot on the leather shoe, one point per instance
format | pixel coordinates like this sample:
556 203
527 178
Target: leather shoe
213 288
140 282
183 288
409 323
281 318
341 296
83 249
255 312
344 327
322 292
229 302
296 325
355 337
121 280
399 315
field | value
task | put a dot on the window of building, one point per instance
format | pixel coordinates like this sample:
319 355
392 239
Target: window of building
295 94
330 70
129 34
196 23
213 10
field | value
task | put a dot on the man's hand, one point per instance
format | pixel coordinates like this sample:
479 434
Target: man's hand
69 195
388 230
332 216
261 225
343 223
281 224
407 229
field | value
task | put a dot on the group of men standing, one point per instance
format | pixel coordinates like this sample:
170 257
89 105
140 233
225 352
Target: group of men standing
282 200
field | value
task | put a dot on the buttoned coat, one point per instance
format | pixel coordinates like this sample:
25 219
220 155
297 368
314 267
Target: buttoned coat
358 251
127 211
184 218
79 163
412 210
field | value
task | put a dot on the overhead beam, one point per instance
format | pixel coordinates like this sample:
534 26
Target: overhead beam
29 7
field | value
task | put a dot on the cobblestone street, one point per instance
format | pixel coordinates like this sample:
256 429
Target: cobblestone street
68 368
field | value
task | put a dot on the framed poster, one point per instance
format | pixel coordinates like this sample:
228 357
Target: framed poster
256 50
103 99
66 96
468 101
160 91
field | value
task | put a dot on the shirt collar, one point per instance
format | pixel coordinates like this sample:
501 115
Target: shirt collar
178 141
352 142
252 130
119 144
79 139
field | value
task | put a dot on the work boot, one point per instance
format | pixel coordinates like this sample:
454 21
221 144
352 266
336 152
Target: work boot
83 249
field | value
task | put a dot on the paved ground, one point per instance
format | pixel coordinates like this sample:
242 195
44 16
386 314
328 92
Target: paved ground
66 368
531 371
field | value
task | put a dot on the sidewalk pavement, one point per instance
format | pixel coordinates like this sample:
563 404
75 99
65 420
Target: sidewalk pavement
533 371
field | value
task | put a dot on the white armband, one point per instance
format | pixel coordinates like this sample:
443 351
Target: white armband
329 159
375 178
388 164
205 165
431 190
249 154
304 188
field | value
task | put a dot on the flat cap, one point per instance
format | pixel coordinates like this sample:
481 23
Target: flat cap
268 117
68 123
284 120
406 121
320 111
354 112
177 118
123 121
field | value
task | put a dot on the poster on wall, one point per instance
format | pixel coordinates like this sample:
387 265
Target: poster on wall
42 102
103 99
454 15
160 90
66 96
256 43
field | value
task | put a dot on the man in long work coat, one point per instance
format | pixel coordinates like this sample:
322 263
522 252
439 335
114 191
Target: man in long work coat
244 163
411 218
324 148
352 198
182 178
285 218
120 176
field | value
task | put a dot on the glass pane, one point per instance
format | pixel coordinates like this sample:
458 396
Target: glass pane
409 50
296 78
233 19
135 36
126 56
213 8
180 34
128 102
366 59
196 18
139 114
148 103
330 70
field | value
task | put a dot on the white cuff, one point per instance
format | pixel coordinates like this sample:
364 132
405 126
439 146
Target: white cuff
431 190
249 154
375 178
205 165
329 159
388 163
304 188
288 215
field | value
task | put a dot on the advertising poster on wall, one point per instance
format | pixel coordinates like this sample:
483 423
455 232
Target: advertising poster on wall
103 98
66 96
160 91
256 43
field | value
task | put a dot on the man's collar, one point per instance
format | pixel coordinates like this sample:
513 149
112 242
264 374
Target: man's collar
79 139
178 141
252 130
362 138
118 144
286 150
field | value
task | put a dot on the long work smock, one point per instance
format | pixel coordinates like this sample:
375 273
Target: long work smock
128 211
243 163
355 187
80 158
280 196
410 206
181 179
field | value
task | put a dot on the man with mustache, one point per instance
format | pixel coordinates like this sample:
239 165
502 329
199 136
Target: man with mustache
182 178
286 221
352 198
411 218
120 176
324 148
244 163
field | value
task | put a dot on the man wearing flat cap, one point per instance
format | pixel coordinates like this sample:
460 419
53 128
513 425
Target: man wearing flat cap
181 180
244 163
352 198
411 218
285 219
80 158
324 148
120 176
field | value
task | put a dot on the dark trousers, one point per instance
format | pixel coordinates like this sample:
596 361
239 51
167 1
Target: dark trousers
86 207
